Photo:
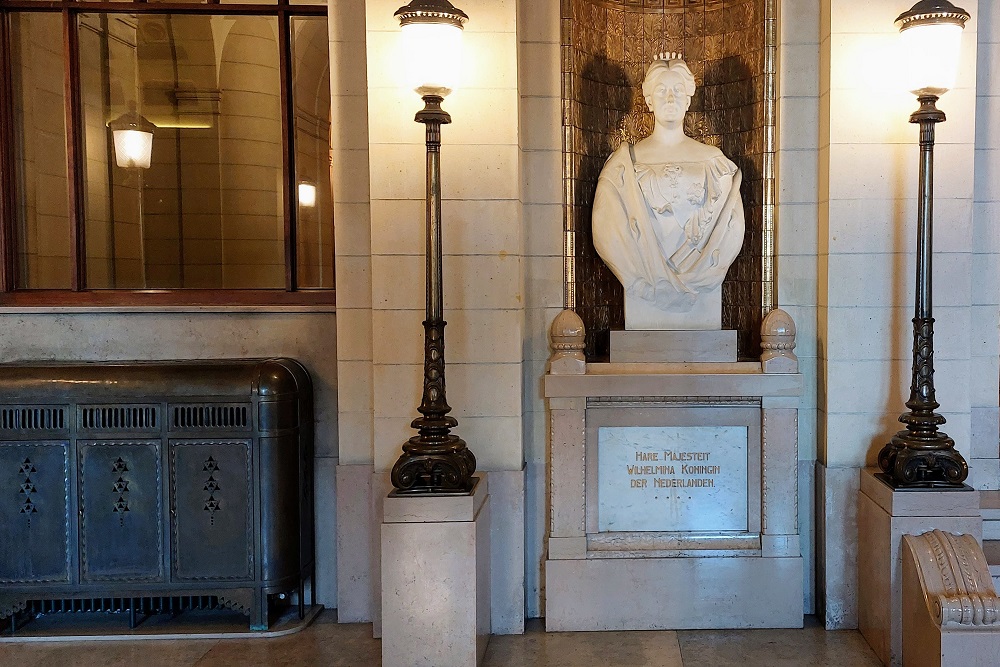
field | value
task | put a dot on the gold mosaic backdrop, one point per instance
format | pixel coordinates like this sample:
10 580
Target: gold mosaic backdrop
729 46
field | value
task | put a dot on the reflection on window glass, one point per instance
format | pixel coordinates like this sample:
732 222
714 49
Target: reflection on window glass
42 212
207 213
311 101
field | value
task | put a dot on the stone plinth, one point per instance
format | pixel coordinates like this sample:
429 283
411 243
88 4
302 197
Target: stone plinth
884 516
706 314
673 492
673 346
436 579
670 559
672 593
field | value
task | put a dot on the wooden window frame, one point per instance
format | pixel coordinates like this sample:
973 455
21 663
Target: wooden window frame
79 295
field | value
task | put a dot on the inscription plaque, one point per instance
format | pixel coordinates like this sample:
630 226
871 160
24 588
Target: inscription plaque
672 478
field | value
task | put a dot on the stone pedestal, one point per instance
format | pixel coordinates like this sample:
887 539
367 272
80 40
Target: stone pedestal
692 538
884 516
684 592
436 579
705 314
673 489
673 346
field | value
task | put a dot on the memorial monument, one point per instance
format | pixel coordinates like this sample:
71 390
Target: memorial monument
674 467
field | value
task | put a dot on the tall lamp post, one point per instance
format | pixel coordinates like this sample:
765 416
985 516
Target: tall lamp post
435 460
921 456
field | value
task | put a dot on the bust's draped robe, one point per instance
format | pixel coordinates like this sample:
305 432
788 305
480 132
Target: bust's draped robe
668 231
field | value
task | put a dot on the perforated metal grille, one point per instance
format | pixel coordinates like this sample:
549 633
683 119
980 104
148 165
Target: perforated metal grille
114 605
119 417
210 416
33 418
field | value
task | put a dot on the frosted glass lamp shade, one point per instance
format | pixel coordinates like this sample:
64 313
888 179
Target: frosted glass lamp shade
931 34
133 139
307 194
432 45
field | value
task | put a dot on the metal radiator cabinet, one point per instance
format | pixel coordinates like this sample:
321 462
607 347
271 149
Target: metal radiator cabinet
141 480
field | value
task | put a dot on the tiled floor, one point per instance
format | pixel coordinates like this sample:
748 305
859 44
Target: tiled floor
328 644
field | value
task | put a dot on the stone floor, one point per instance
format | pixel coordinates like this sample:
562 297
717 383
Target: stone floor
328 644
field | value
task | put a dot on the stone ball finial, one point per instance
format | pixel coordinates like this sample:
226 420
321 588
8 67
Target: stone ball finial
567 337
778 325
777 340
567 331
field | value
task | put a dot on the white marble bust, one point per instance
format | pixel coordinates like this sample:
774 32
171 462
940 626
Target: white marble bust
668 218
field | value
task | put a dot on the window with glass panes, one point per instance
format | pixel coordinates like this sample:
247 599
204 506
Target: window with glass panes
165 152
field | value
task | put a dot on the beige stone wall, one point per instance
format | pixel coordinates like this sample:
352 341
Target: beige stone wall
500 278
352 231
540 106
984 362
867 219
484 289
796 238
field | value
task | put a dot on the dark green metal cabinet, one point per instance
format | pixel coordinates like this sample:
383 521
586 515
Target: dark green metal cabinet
140 480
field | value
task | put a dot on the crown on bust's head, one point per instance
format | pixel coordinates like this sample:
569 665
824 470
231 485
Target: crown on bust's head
669 55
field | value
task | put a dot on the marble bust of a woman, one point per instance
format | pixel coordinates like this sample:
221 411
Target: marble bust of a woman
668 218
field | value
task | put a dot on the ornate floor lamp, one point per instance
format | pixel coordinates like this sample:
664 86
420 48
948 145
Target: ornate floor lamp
435 460
921 456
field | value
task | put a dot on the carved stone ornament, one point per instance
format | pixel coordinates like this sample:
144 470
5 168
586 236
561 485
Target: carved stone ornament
954 579
668 218
567 338
777 340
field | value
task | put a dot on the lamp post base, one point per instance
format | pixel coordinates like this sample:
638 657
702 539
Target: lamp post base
929 462
434 468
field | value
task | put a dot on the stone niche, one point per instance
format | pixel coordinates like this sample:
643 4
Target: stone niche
730 48
673 489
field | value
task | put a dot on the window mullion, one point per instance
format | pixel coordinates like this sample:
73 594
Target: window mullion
288 149
8 251
74 149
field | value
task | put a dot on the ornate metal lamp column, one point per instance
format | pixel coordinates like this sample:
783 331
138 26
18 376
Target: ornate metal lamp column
921 456
435 460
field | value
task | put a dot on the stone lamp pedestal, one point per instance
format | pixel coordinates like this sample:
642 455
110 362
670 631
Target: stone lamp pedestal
885 515
436 579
